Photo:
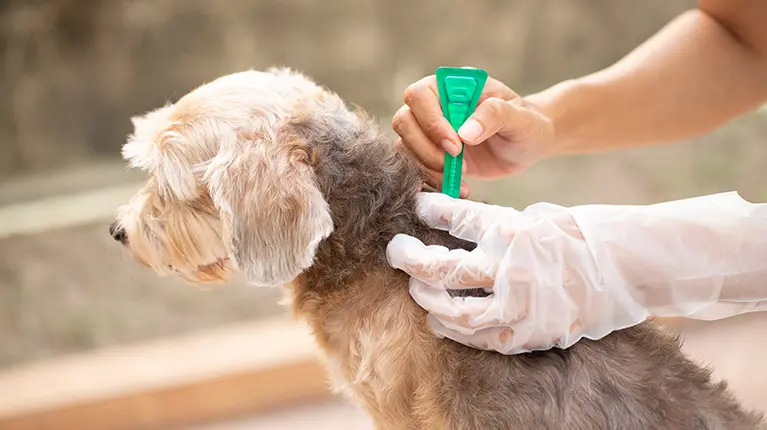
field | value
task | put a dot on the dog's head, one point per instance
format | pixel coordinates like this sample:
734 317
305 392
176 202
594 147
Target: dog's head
231 183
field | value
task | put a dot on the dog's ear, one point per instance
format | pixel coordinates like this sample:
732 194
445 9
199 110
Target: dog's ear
159 146
274 215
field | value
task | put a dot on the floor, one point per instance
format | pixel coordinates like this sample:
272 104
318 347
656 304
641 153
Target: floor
335 415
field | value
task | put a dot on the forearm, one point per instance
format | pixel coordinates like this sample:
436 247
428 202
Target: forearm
690 78
703 257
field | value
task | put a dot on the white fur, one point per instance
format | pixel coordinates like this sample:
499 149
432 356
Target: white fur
220 146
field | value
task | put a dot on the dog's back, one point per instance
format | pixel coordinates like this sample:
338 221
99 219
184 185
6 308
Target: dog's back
632 379
381 351
382 355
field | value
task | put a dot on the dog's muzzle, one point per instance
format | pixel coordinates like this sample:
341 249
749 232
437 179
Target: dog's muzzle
118 233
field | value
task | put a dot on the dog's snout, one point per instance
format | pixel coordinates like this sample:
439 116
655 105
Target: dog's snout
118 233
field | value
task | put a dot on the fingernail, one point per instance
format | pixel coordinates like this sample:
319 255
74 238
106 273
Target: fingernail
450 147
470 130
464 193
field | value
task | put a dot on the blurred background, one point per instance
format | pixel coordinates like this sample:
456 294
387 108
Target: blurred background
73 72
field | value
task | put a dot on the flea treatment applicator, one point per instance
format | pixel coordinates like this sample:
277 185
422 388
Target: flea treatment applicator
459 91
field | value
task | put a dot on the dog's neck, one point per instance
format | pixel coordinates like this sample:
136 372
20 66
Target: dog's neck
370 187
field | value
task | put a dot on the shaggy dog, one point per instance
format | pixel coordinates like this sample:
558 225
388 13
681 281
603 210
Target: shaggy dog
272 175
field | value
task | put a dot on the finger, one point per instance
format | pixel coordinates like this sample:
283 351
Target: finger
460 310
496 115
497 89
414 139
505 340
434 179
499 339
494 89
464 314
438 266
430 177
464 219
473 270
430 264
423 99
465 191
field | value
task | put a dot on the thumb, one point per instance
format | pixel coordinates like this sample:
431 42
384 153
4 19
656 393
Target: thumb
496 115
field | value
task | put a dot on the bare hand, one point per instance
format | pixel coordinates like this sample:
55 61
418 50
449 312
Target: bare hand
505 135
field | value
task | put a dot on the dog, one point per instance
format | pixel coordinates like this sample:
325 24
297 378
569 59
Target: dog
270 174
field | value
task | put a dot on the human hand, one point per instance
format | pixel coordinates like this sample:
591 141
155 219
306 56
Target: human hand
547 289
560 274
505 134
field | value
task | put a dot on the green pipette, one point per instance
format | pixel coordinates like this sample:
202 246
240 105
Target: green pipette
459 91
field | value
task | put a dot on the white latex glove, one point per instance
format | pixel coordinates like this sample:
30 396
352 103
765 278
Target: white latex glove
560 274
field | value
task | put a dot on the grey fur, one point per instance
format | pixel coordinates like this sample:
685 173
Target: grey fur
635 378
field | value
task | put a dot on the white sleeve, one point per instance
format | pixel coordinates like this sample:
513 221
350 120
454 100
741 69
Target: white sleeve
703 257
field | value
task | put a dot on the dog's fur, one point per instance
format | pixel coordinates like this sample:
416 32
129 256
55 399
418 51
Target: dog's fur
272 175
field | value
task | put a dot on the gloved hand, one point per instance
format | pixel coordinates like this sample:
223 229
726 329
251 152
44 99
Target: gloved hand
560 274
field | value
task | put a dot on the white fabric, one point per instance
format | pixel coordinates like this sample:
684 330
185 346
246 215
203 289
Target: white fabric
559 274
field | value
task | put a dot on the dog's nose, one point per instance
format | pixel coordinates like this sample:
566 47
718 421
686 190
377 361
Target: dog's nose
118 233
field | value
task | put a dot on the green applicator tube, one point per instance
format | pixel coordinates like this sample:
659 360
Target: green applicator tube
459 92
